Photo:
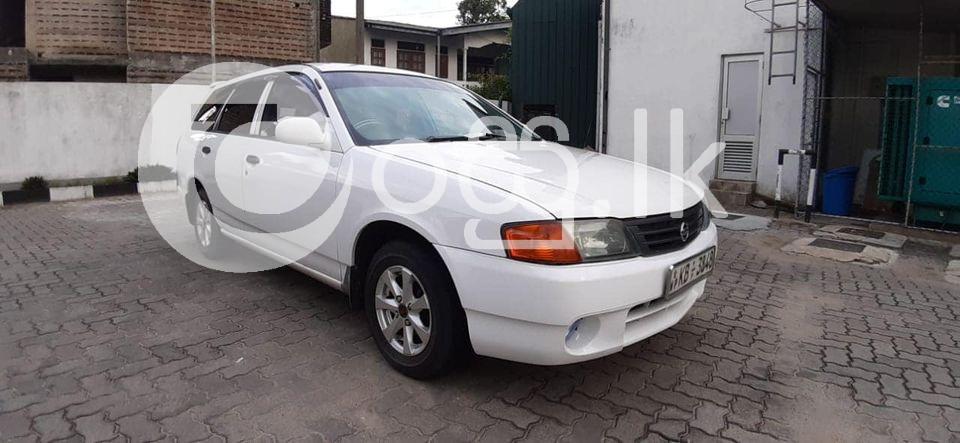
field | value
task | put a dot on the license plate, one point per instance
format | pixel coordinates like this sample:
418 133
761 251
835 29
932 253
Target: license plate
690 271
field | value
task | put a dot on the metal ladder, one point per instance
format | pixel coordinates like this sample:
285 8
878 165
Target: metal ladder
794 22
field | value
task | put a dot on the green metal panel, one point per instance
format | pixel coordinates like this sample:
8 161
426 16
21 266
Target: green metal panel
554 63
935 178
898 118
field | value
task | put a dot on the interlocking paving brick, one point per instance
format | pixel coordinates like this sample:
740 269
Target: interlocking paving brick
588 428
500 432
558 411
520 418
52 426
95 428
14 424
709 418
107 333
630 425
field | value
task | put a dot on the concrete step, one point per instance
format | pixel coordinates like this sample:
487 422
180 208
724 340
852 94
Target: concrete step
736 186
732 198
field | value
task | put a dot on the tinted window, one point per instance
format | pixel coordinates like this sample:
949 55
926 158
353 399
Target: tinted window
291 96
207 115
238 113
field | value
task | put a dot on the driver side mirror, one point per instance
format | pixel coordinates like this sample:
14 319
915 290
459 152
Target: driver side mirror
303 131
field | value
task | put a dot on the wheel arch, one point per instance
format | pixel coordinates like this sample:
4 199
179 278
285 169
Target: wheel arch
369 239
194 188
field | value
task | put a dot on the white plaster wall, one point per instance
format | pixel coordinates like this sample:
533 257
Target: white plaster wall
666 54
70 130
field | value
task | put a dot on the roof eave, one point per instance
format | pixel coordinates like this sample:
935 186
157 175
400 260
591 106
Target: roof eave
469 29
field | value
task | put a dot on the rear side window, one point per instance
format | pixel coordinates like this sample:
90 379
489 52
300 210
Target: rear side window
207 115
238 113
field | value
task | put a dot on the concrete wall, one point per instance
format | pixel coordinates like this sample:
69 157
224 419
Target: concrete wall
666 54
66 131
343 45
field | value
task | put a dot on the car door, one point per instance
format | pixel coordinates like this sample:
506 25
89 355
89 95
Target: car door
287 187
219 162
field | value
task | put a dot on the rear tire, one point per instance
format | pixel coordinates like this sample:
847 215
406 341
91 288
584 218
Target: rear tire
207 230
414 312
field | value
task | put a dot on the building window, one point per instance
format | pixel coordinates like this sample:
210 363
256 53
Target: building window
443 70
12 17
411 56
378 52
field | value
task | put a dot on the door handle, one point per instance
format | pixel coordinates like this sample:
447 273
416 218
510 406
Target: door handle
205 150
253 160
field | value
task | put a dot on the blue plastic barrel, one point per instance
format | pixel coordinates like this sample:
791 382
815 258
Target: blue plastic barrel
838 186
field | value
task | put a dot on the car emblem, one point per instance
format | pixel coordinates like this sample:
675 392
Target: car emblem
684 232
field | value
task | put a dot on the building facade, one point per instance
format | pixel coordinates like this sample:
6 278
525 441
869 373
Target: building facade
441 52
710 59
867 89
153 40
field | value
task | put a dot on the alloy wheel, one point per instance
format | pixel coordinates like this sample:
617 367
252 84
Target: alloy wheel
204 224
403 310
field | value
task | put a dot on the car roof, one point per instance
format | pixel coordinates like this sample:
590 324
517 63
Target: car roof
347 67
322 67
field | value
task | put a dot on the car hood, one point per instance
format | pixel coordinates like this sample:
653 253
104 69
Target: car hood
567 182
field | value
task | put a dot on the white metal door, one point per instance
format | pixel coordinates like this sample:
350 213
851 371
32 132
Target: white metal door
740 116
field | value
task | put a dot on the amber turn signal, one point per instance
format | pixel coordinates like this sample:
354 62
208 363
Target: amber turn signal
542 242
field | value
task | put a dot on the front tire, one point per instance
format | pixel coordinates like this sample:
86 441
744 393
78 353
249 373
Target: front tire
414 312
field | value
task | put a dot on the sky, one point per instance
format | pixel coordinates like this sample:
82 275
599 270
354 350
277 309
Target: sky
437 13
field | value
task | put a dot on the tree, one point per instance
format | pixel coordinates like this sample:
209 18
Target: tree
482 11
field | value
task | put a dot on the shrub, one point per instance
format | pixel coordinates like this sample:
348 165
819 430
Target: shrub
493 87
151 173
34 183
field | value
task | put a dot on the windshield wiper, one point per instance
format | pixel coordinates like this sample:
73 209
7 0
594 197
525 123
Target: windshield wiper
451 138
464 138
492 136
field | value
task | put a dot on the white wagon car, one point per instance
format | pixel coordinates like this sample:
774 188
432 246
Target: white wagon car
454 241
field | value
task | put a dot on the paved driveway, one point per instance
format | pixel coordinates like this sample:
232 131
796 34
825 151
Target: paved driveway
107 333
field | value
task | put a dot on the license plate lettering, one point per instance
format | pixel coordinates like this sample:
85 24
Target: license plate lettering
689 272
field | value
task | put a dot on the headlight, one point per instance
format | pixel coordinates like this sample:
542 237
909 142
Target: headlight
556 243
600 238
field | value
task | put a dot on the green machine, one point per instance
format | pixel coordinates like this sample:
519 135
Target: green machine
935 175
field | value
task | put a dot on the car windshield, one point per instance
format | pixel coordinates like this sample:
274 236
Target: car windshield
382 108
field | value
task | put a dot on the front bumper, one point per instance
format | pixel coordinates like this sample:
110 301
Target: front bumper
523 312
